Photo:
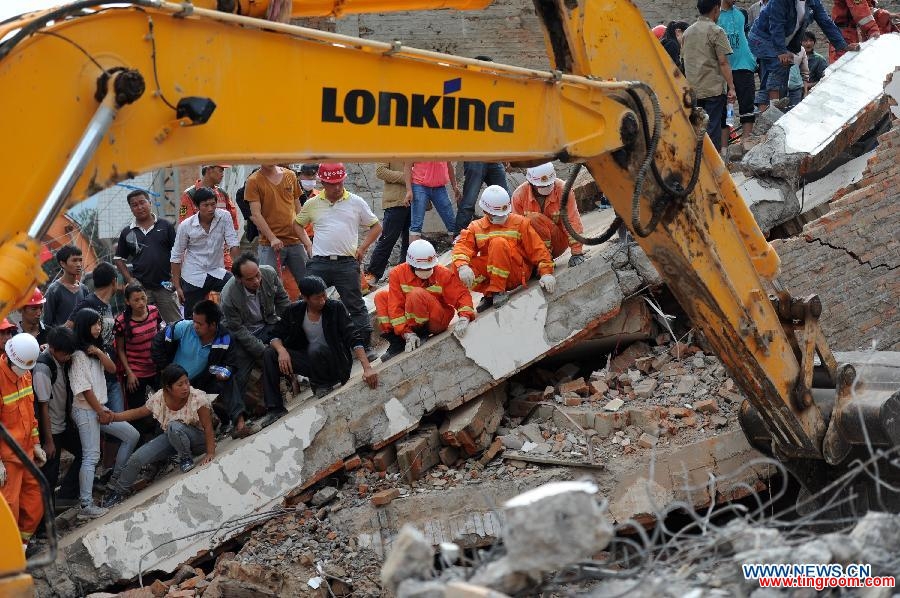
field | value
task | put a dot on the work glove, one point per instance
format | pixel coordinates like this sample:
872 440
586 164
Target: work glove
576 260
2 474
412 341
467 276
548 283
460 327
40 457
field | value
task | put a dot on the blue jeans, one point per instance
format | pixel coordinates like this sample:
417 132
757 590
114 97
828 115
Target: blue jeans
715 107
395 226
178 439
89 429
439 199
773 76
475 175
115 401
293 257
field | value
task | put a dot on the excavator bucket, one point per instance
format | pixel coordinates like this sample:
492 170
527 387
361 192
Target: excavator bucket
866 412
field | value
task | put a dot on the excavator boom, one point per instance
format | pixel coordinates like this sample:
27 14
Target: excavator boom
94 96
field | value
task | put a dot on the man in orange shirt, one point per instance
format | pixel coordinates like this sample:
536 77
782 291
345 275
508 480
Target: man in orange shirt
211 176
539 199
497 253
421 299
274 197
18 486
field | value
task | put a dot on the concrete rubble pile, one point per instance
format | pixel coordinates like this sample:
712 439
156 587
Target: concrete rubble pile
669 398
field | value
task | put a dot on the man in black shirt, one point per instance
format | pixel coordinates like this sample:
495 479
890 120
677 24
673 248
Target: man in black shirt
147 242
317 339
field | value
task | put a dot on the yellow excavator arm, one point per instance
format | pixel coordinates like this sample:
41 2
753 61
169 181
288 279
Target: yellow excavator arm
94 95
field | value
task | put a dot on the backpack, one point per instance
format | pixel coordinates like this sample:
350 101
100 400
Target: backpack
243 205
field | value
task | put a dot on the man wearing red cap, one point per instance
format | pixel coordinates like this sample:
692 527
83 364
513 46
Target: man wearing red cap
274 197
7 330
337 215
31 317
210 176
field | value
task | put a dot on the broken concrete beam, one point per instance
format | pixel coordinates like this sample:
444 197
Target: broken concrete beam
419 453
841 108
471 427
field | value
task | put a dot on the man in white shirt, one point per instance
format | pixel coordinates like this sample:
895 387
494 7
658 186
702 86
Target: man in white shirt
198 265
337 215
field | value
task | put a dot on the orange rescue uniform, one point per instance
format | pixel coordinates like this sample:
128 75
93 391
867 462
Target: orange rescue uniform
501 255
547 220
410 303
855 17
22 492
223 202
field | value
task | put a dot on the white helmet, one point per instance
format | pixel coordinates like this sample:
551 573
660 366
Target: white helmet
23 350
495 201
542 175
421 255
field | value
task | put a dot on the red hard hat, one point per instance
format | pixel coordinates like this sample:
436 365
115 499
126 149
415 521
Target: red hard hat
36 299
659 31
7 325
333 172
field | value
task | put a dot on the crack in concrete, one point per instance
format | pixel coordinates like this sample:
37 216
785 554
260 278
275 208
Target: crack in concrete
862 262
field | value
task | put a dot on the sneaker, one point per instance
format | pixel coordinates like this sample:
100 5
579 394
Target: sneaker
186 464
272 416
111 499
321 391
495 300
91 511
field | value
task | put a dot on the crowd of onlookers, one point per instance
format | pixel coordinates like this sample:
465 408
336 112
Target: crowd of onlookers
132 393
728 48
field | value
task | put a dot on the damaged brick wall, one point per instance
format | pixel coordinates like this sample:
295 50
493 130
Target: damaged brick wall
851 255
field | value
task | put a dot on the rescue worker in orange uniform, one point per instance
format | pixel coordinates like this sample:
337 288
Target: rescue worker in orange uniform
421 299
855 17
539 199
498 252
18 486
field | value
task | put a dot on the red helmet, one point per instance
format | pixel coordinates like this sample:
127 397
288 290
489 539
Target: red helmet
659 31
7 325
333 172
36 299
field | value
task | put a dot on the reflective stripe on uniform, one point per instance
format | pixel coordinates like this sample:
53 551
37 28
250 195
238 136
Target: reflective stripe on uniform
506 234
465 309
399 321
35 432
460 256
866 20
13 397
383 320
433 288
497 271
416 318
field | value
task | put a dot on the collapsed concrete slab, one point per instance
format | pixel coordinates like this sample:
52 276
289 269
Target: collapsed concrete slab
842 107
845 106
180 517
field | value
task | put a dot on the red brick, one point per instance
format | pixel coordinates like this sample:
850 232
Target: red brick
492 451
354 462
472 426
706 406
363 489
418 453
572 401
384 497
449 455
384 458
578 386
